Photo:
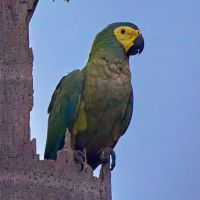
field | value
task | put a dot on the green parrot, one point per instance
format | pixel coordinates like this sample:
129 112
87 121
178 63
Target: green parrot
96 103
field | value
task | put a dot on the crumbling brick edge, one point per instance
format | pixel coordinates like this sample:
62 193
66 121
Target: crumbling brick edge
27 177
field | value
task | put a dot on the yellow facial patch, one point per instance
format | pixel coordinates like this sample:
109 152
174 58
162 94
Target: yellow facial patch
126 35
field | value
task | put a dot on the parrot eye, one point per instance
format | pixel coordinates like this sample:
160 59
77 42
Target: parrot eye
123 31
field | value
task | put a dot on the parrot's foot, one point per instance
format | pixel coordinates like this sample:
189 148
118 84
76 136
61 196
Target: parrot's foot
80 157
104 156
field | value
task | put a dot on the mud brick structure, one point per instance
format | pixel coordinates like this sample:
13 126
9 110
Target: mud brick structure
22 174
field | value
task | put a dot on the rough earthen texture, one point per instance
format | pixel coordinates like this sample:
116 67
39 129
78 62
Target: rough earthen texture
22 174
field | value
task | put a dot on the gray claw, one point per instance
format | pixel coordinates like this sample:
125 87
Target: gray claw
79 157
104 156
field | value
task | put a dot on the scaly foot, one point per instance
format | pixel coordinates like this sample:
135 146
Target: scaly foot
104 156
80 157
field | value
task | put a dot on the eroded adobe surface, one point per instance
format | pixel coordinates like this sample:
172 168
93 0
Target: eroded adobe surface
26 177
22 174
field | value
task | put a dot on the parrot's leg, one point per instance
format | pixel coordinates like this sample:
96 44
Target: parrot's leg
104 156
80 157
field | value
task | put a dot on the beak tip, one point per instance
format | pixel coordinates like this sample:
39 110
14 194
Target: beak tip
137 47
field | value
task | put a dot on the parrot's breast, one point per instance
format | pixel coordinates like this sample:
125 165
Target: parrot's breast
106 92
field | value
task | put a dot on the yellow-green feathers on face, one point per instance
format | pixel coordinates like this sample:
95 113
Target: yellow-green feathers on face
126 36
119 39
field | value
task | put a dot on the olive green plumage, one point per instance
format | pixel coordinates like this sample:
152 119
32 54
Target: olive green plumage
95 103
62 111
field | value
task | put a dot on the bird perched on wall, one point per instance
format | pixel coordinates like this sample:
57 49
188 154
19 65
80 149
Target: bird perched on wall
96 103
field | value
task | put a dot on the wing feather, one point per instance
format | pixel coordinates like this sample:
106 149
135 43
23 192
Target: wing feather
128 114
62 111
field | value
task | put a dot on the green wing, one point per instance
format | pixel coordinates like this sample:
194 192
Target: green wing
62 111
127 117
121 125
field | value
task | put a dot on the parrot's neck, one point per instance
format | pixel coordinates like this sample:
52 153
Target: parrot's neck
115 56
107 45
109 65
108 56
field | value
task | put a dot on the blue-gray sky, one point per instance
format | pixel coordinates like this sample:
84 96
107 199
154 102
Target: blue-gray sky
159 156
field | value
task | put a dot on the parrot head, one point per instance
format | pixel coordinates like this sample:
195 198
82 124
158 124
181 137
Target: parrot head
130 37
119 38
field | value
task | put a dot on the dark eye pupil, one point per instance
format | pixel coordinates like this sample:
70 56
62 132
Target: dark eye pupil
123 31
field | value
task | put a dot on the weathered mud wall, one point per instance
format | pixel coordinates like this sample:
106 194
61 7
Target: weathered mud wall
22 174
